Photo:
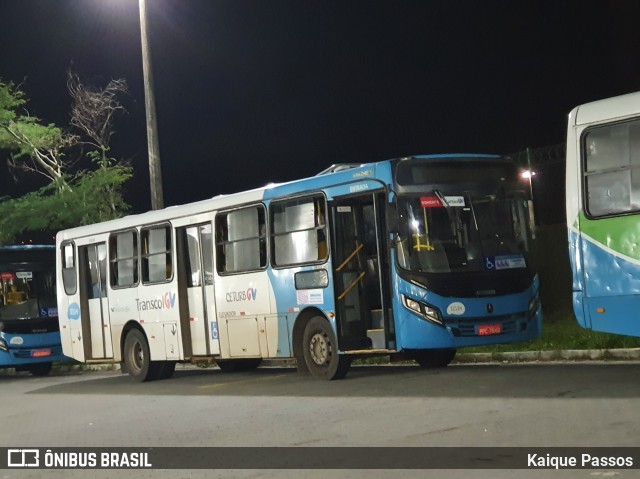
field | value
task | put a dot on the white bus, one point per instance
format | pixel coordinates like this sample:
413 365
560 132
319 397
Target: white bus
603 204
416 256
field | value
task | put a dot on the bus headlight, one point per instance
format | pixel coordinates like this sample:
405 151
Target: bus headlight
3 345
534 304
427 311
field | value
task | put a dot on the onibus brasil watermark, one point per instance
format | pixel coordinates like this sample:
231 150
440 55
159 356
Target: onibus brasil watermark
48 459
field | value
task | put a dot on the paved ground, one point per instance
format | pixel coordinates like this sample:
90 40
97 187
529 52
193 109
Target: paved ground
579 404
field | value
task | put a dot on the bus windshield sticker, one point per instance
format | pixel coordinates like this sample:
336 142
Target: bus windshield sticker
434 201
505 262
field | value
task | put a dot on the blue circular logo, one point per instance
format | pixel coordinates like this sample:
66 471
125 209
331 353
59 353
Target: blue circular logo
74 311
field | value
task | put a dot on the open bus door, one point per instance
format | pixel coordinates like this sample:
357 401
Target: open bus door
361 273
96 324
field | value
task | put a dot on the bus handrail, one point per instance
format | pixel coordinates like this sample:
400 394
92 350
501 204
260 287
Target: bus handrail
346 261
350 287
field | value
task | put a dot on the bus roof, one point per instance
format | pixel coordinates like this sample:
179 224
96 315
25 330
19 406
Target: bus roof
26 247
608 109
334 174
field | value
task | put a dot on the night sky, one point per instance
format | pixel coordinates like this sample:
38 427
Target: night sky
250 92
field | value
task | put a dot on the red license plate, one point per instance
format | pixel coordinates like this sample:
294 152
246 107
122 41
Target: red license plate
489 329
41 353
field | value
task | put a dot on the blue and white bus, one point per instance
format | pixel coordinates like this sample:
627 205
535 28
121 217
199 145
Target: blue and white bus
415 256
29 330
603 203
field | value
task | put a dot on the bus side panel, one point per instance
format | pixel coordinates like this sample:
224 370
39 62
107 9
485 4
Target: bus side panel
158 307
64 321
575 260
289 302
612 291
122 308
244 306
573 210
69 318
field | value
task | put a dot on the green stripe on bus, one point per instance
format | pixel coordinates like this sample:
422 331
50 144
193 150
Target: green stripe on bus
620 233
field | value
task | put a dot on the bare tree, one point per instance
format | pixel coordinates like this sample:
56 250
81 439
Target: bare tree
93 111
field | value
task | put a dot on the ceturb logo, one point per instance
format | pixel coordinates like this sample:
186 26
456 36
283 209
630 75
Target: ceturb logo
246 295
167 301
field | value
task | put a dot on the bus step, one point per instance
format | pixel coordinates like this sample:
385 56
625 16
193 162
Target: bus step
377 319
377 338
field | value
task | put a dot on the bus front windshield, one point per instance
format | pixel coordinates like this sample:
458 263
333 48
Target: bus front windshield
466 231
26 294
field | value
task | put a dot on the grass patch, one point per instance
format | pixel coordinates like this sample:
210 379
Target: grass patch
560 331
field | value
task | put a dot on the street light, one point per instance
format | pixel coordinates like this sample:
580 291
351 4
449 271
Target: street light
155 170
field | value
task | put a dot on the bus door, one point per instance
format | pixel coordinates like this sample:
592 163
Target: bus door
361 273
94 300
199 323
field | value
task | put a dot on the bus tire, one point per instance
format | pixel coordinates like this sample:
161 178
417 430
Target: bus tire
434 358
137 357
320 349
42 369
165 369
237 365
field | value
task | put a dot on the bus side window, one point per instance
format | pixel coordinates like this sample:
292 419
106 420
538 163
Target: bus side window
69 268
241 240
156 254
123 250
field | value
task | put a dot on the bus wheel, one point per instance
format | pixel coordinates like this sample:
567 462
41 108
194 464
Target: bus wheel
137 358
236 365
434 358
42 369
320 349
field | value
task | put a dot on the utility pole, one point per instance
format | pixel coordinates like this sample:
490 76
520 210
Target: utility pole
155 170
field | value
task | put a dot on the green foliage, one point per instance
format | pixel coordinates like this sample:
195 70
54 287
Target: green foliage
24 135
90 195
11 98
93 196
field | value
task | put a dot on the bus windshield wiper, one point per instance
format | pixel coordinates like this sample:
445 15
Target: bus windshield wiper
442 199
